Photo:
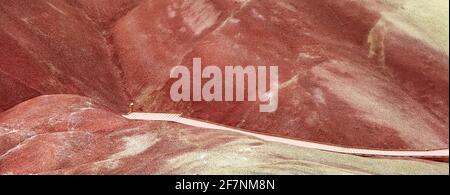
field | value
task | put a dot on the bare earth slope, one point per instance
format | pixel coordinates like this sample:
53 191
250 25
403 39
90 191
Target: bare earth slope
50 47
369 74
352 73
83 137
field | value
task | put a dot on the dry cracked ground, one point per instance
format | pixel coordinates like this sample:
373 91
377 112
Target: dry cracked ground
357 73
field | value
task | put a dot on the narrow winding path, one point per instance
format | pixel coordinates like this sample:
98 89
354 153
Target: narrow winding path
431 154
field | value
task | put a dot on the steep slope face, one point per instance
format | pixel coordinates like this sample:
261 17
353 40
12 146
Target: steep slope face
365 78
50 47
79 136
355 73
105 12
153 37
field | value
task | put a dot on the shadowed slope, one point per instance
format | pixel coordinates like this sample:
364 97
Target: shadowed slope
50 47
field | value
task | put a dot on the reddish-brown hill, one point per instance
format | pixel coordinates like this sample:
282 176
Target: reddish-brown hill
50 47
353 73
68 134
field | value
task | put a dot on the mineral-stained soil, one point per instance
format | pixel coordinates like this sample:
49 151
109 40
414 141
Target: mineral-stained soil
68 134
351 72
50 47
369 74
